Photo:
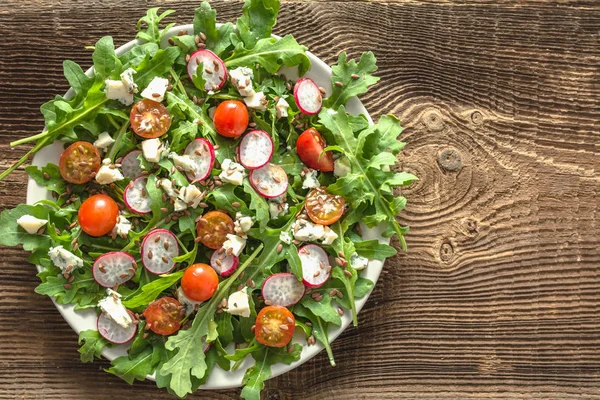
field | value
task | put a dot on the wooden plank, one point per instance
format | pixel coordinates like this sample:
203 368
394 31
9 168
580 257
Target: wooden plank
498 295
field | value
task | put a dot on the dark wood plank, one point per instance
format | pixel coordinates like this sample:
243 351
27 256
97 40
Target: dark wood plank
498 295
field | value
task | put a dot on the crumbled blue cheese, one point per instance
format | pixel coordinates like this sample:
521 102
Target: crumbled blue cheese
242 224
278 209
341 167
257 101
238 304
310 180
64 259
108 173
281 108
116 90
185 161
156 89
179 205
167 186
154 150
30 223
127 79
104 141
234 244
211 112
189 304
122 227
358 262
306 231
329 236
232 172
241 78
285 237
190 195
114 309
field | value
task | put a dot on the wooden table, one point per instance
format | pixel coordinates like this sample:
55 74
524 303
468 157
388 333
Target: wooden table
498 295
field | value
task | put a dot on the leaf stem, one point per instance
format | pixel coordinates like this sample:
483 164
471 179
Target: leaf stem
22 160
117 144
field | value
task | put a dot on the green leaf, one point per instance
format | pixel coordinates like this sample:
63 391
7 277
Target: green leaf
271 54
79 81
159 65
257 20
153 33
319 329
11 234
149 292
83 290
259 205
92 347
137 54
205 21
132 367
104 57
374 249
344 71
55 183
222 198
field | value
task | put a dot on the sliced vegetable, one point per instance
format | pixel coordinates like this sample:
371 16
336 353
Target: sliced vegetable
315 265
214 71
223 263
98 215
213 227
114 332
136 196
158 250
310 146
79 163
130 165
255 149
149 119
274 326
202 152
164 315
282 289
269 181
324 208
308 97
114 268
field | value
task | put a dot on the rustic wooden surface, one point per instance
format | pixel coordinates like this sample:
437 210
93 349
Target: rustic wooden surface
498 296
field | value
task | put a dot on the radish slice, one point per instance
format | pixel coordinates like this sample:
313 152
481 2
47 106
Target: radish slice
130 165
214 73
308 96
202 152
114 332
282 289
158 250
113 269
255 149
315 265
224 264
136 196
269 181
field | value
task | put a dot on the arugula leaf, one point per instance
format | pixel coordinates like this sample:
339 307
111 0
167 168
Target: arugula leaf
205 21
104 57
83 290
271 54
319 329
182 135
159 65
346 72
150 291
153 33
259 205
222 198
193 112
55 183
135 56
93 344
265 357
137 366
11 234
374 249
257 20
79 81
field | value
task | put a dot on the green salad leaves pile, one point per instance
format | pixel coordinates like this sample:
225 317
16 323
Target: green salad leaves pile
209 335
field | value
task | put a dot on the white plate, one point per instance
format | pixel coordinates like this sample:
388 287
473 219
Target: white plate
218 379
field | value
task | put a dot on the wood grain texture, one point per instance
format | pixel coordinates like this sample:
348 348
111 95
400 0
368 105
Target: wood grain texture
498 296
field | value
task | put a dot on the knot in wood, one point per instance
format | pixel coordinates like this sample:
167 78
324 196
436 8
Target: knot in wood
471 225
477 117
446 252
450 160
433 120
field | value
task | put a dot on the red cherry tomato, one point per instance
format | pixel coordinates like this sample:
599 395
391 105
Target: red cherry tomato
98 214
274 326
79 163
164 315
324 208
231 118
309 146
213 227
199 282
149 119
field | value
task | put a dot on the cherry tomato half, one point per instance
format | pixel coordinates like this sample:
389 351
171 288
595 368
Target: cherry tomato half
79 163
213 227
97 215
199 282
231 118
324 208
149 119
309 146
274 326
164 315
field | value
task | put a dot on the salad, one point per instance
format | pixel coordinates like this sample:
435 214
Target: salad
206 205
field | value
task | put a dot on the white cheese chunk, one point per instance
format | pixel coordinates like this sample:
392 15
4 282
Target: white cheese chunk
64 259
310 180
257 101
179 205
281 108
190 195
242 224
237 303
31 224
116 90
185 161
189 304
156 89
107 175
153 150
341 167
167 186
285 237
232 172
358 262
306 231
278 209
104 141
235 243
127 79
115 310
328 236
122 227
241 78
